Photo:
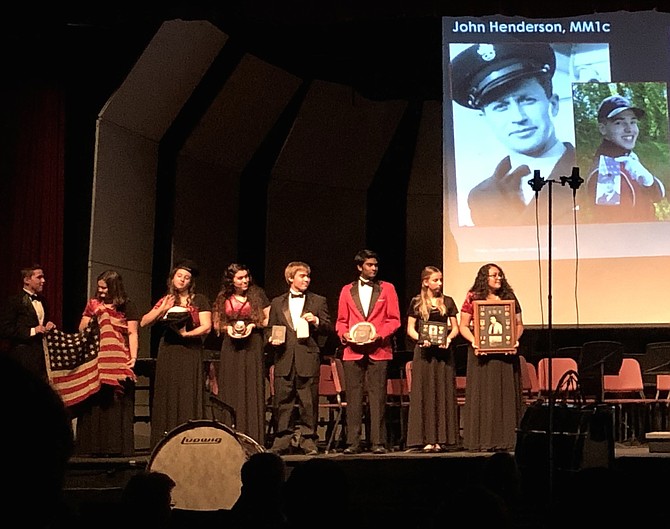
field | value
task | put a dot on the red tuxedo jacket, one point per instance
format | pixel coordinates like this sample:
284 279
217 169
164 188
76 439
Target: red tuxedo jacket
384 314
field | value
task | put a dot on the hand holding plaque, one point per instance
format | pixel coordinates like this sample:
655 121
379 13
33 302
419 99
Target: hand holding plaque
278 335
362 333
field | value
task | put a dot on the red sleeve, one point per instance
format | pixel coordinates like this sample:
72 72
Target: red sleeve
342 323
467 304
89 310
392 320
158 303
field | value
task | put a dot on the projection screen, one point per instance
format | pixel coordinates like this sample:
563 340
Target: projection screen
585 246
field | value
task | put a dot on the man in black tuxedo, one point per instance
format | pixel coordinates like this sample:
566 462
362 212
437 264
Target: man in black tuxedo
24 321
297 359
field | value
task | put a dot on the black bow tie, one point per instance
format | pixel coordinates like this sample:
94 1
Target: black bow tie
301 295
366 283
33 297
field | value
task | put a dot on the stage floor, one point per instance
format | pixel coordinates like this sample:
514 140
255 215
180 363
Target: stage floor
397 489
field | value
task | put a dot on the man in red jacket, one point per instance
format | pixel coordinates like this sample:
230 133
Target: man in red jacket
368 314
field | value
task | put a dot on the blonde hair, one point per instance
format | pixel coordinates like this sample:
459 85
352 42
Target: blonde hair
292 269
423 305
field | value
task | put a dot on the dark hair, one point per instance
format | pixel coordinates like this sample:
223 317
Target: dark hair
480 287
254 295
188 265
363 256
116 292
147 496
227 281
36 469
27 271
263 471
191 285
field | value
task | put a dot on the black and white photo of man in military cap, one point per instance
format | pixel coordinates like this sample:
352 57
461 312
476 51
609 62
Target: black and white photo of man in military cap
510 95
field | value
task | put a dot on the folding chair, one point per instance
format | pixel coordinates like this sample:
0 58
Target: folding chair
529 382
662 385
332 399
625 391
397 397
559 366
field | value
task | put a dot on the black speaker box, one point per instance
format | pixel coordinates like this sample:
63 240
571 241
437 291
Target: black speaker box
582 437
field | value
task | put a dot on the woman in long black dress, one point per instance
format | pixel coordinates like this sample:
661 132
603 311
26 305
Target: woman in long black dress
186 319
105 420
240 314
493 395
433 412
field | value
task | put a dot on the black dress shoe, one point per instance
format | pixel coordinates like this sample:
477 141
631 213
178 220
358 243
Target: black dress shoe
352 450
379 449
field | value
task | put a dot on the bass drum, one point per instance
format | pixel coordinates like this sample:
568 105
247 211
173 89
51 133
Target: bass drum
205 460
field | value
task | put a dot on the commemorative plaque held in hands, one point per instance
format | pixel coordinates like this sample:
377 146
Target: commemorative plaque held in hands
363 332
434 332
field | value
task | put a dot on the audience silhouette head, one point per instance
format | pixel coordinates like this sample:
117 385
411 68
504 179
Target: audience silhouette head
147 499
36 454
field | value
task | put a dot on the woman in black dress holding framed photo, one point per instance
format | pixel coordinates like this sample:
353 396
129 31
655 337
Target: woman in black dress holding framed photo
493 396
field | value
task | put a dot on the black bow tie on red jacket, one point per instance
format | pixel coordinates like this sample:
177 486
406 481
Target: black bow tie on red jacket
366 282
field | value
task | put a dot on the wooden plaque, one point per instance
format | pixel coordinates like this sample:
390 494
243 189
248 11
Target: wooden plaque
363 332
494 323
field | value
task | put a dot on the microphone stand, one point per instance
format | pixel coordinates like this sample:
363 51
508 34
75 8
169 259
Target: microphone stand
537 183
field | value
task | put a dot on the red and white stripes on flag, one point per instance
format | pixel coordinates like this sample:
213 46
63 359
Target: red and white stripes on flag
79 363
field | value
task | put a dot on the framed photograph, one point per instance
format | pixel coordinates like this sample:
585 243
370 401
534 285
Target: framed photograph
495 326
434 332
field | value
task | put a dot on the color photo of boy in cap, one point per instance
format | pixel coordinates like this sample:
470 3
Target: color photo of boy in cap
638 188
511 86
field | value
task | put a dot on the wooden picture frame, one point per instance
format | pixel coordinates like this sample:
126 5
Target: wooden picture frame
494 323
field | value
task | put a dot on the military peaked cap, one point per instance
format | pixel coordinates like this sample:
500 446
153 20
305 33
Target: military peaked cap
481 68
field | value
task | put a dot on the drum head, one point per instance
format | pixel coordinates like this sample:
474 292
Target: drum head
249 445
205 459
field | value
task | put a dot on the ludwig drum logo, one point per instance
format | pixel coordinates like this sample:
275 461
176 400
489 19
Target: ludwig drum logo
201 440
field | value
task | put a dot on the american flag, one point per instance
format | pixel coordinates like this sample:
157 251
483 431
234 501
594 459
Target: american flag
79 363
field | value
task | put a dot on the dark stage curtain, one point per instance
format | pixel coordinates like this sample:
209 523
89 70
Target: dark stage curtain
32 191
